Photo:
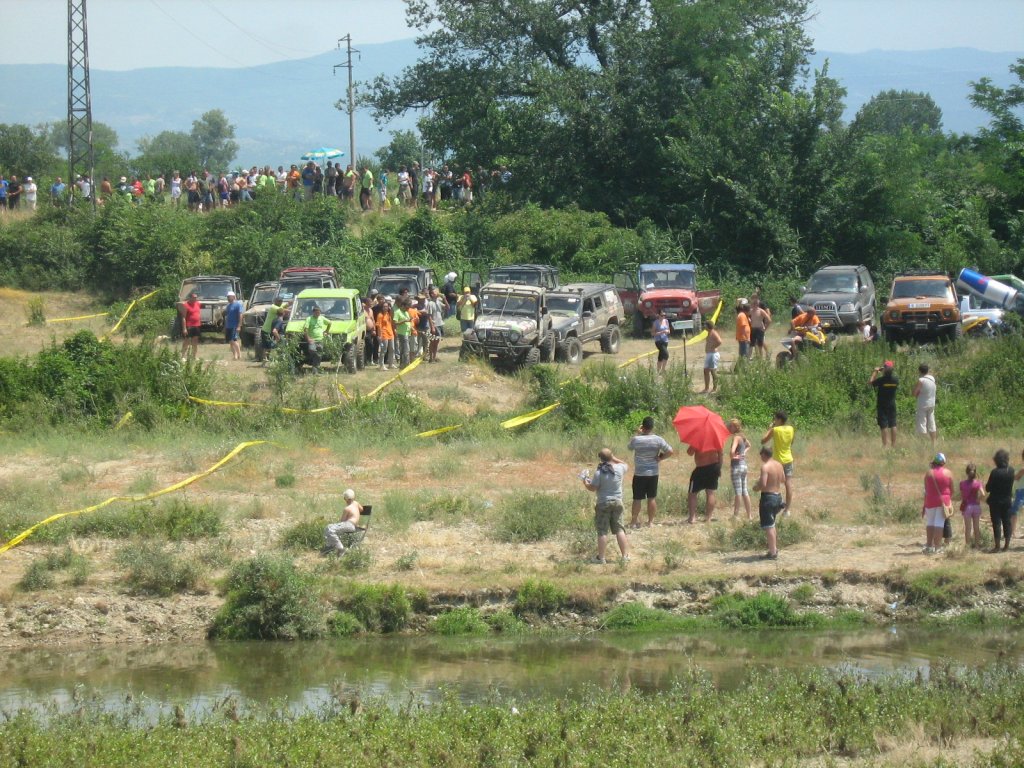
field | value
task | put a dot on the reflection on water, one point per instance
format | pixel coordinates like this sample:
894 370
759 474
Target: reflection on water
306 675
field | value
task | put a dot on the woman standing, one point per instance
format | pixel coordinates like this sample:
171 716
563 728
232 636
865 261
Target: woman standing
999 486
938 495
738 467
660 331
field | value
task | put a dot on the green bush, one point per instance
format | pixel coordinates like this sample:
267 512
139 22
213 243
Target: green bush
762 611
379 607
506 623
539 597
465 620
305 534
749 536
269 599
38 576
637 617
527 517
344 624
152 569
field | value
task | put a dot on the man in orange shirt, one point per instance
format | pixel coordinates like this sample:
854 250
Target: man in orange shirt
743 330
385 332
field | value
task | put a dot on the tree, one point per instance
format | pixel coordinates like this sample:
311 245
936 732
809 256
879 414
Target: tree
166 152
213 137
103 137
25 151
892 111
404 148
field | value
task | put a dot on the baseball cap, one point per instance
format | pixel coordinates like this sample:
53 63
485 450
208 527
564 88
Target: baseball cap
466 289
29 179
231 294
374 291
940 459
450 276
888 364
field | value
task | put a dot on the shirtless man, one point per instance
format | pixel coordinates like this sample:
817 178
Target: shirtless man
349 521
769 484
760 319
711 358
706 472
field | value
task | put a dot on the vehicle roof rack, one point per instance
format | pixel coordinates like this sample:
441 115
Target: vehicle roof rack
922 273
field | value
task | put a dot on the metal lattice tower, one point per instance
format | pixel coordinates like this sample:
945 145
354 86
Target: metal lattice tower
80 151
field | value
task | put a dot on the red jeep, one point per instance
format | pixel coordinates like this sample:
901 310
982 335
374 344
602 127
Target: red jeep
669 287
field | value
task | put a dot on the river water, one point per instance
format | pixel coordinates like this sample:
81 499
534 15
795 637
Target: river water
306 676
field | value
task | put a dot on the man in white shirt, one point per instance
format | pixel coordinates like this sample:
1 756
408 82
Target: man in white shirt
924 391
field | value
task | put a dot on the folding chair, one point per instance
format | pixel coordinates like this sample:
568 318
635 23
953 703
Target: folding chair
355 538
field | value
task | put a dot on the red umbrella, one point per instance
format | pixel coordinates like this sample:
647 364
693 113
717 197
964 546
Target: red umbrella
701 429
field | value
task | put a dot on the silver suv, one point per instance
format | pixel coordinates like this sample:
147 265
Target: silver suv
582 313
841 295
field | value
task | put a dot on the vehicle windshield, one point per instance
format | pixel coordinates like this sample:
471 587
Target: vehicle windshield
390 286
498 303
832 282
213 290
525 276
332 309
564 305
667 278
263 295
925 289
291 289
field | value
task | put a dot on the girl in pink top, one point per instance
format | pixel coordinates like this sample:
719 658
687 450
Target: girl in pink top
971 493
938 491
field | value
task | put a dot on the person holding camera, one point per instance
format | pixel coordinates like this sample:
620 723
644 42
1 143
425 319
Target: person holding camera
607 484
886 384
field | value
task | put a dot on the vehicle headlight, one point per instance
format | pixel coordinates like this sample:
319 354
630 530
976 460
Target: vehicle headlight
947 313
514 336
894 314
848 308
649 304
686 303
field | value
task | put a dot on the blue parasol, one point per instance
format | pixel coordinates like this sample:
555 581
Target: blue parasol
323 153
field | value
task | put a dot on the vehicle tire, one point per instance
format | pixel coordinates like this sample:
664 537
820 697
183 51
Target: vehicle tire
349 358
361 354
638 324
175 330
698 323
610 340
783 359
547 348
571 351
246 339
957 332
532 357
465 353
890 335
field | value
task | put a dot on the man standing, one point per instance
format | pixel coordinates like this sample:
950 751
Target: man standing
451 293
711 358
349 521
648 451
435 311
706 472
885 383
769 483
760 319
743 330
366 190
402 321
314 329
308 177
607 484
232 323
924 391
781 436
191 323
466 309
31 193
13 193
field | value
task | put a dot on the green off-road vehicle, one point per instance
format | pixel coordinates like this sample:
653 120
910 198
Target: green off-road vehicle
346 338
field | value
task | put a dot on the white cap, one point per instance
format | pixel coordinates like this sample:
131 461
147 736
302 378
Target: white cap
349 495
450 276
231 293
29 179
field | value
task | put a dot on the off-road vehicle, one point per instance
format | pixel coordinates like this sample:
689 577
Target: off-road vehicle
527 274
256 311
512 328
391 280
841 295
923 305
292 282
344 342
212 291
582 313
668 288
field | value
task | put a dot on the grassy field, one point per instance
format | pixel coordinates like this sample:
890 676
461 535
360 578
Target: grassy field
467 519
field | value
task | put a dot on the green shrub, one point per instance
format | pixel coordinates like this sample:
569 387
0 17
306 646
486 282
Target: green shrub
344 624
527 517
762 611
637 617
407 561
38 576
539 597
749 536
269 599
151 569
803 594
464 620
355 560
305 534
379 607
940 589
506 623
35 312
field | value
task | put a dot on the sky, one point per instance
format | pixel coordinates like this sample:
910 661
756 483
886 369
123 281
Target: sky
132 34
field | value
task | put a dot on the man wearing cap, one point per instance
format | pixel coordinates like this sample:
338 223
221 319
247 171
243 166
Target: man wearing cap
191 323
885 383
232 322
31 193
451 293
349 521
314 329
465 307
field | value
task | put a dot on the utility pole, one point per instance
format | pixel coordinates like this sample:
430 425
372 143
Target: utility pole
80 150
347 39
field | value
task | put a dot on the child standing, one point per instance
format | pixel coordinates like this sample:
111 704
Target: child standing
738 467
971 494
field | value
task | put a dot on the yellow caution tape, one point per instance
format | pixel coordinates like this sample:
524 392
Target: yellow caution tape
688 343
79 317
341 388
526 418
124 420
233 404
107 502
441 431
411 366
224 403
131 306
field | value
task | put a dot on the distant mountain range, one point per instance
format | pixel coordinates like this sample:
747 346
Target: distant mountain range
281 110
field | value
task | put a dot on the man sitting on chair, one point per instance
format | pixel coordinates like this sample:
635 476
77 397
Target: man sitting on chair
349 521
